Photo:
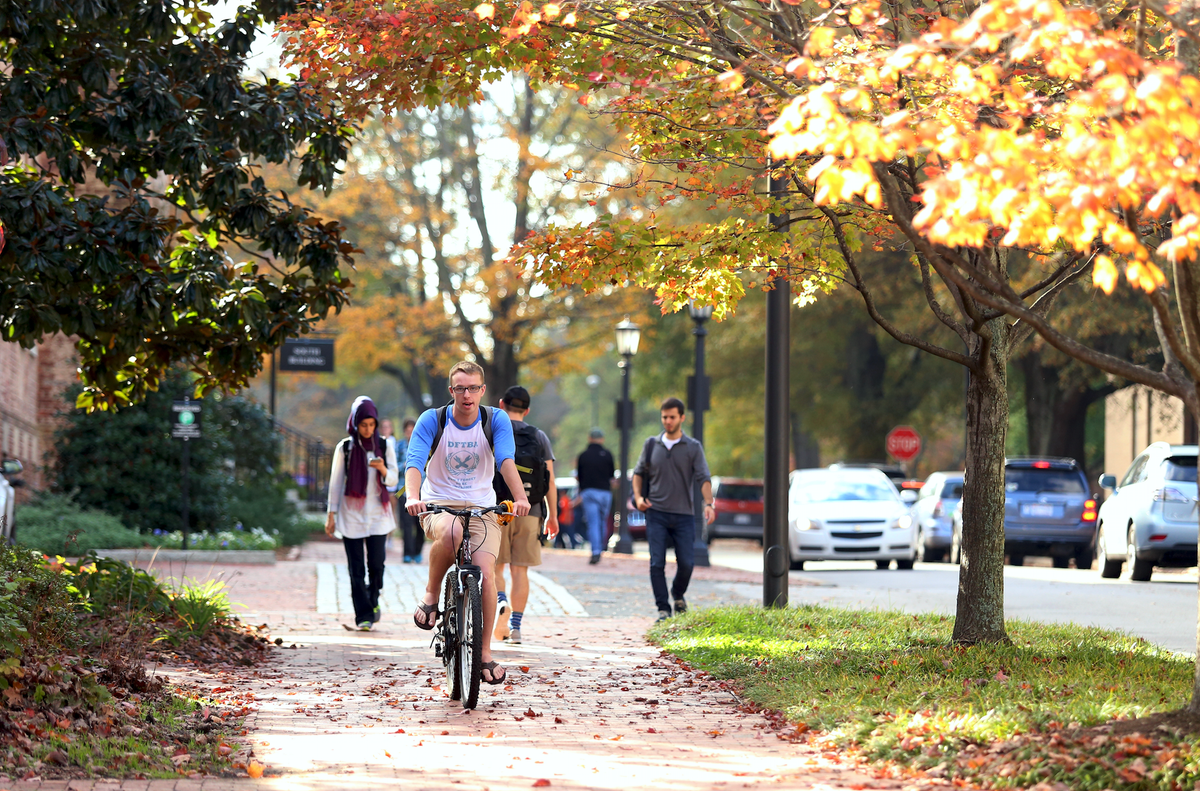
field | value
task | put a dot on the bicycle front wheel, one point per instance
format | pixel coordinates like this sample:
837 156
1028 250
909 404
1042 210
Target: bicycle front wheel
470 642
451 632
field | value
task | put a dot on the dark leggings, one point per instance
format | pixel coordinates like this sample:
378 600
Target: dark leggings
365 582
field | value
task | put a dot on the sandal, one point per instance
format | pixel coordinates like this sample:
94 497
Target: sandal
490 667
431 616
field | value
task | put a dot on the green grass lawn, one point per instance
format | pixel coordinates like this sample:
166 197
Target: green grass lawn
893 685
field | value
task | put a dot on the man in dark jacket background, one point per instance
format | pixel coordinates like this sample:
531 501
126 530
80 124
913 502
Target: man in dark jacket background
663 482
594 471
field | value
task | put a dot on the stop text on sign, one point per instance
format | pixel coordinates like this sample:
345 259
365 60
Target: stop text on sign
904 443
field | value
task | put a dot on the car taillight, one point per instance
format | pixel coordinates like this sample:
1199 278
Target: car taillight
1041 465
937 509
1089 510
1171 495
1159 537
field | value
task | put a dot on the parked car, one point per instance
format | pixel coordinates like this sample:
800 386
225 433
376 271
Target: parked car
848 513
739 506
1048 511
936 500
1150 519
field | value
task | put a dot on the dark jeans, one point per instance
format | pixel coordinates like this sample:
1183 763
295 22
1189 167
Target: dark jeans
663 529
363 591
410 530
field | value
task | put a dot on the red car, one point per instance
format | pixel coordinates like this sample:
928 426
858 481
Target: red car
739 506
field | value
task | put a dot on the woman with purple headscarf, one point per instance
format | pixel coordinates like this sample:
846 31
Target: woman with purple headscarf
360 509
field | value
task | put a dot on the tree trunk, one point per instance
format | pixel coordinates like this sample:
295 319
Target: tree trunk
502 369
1056 416
805 451
980 617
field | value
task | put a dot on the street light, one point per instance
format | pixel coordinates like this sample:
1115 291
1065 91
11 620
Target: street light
593 382
698 396
628 335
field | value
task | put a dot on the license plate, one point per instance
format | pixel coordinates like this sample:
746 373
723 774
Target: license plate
741 519
1039 510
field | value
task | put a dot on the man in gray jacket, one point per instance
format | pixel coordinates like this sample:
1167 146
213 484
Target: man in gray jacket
663 482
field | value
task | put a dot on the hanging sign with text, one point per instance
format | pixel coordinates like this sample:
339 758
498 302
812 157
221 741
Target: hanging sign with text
306 354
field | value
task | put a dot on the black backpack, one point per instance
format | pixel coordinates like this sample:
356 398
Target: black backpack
531 465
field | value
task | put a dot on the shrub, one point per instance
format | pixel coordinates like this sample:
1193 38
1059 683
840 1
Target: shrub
37 613
237 538
103 583
56 526
265 505
201 605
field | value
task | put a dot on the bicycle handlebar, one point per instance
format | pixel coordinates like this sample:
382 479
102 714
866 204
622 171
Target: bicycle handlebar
475 510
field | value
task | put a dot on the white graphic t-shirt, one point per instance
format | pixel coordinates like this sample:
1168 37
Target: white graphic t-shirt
463 464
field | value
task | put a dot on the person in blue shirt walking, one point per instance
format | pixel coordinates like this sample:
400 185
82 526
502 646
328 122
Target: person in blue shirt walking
458 472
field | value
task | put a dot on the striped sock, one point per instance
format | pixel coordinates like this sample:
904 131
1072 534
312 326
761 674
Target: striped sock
501 597
514 620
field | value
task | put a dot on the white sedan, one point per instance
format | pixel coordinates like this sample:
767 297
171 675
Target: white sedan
848 513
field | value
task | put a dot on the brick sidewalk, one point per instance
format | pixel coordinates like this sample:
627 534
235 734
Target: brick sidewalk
589 705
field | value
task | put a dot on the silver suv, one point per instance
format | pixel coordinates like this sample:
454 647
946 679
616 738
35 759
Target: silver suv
1150 519
938 498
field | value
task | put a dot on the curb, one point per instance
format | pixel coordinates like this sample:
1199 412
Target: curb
259 557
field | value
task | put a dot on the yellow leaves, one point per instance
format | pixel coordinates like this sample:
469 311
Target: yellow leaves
731 80
1144 275
485 11
1104 274
820 41
551 10
569 20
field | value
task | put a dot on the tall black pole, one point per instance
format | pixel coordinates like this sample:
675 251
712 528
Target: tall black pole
273 421
776 556
700 394
625 541
183 486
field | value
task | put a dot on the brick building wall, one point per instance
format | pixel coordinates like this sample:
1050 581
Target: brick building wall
32 382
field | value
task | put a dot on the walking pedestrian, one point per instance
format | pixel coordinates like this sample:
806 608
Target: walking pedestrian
663 482
595 471
519 544
360 508
410 529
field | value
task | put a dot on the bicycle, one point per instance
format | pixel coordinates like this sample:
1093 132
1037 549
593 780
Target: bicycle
458 641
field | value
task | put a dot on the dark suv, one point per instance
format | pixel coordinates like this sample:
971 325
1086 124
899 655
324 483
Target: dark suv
1048 510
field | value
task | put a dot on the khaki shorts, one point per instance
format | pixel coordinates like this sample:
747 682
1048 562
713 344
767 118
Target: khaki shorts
485 530
519 543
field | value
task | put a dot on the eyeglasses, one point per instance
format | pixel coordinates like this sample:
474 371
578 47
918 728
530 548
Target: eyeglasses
463 390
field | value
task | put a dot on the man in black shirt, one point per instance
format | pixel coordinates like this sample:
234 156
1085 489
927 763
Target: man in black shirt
594 470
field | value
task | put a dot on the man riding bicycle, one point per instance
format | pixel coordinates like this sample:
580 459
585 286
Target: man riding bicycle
451 445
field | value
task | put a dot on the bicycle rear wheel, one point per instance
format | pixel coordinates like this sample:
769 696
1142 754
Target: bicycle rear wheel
451 633
470 633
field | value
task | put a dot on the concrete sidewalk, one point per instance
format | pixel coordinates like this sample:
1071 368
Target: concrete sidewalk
588 705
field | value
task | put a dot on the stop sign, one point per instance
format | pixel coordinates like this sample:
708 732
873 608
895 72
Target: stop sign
904 443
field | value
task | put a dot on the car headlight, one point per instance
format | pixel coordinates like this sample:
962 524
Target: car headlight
806 524
903 522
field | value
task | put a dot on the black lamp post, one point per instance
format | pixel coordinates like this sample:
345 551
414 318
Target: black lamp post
698 396
628 335
593 382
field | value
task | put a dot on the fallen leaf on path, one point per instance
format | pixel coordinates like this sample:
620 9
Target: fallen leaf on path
255 769
541 783
385 752
398 730
490 734
529 712
525 669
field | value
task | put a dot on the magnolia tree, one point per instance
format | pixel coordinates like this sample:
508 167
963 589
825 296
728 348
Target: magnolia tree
138 221
1013 151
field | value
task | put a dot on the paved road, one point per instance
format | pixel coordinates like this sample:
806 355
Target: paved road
1163 610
